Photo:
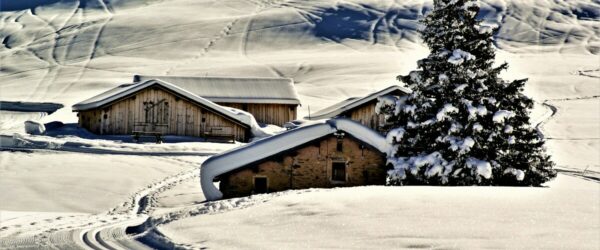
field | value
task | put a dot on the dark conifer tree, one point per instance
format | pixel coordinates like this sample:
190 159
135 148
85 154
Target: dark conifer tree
463 124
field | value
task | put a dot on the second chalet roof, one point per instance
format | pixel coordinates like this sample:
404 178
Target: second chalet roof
234 89
354 102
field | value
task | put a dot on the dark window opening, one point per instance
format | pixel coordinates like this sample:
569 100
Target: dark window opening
260 185
245 107
338 171
339 147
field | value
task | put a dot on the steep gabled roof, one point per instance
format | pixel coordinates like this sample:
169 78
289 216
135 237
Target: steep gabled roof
353 102
125 90
233 89
259 150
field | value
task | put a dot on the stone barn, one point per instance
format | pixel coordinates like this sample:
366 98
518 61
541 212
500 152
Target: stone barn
270 100
337 153
360 109
155 107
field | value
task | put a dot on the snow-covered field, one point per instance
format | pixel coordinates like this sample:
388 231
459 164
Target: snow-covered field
75 182
67 51
405 217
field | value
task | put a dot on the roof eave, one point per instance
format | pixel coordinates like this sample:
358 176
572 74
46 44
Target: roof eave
357 103
254 100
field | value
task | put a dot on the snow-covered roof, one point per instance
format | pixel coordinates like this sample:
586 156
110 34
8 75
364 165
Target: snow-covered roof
353 102
125 90
233 89
259 150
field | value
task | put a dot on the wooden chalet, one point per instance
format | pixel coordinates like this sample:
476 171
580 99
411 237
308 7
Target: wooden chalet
269 100
159 108
360 109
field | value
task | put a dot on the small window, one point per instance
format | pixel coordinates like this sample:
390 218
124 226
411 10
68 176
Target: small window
338 171
260 184
340 145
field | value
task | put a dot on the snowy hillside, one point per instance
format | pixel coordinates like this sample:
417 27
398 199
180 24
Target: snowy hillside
71 185
69 50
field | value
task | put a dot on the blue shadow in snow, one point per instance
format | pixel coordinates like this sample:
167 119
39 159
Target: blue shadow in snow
15 5
363 22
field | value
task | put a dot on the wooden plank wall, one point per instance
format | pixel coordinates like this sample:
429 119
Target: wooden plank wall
90 120
366 115
184 118
276 114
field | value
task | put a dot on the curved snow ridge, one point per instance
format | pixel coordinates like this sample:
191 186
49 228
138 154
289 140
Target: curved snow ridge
256 151
221 206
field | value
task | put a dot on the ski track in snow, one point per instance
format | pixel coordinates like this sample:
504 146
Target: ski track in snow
593 73
59 54
262 5
99 231
224 33
588 175
554 110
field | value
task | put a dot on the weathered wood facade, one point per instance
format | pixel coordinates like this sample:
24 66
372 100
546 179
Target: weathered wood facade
361 109
367 116
329 162
269 100
156 109
267 113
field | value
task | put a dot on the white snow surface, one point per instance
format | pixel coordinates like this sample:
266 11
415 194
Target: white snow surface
407 217
518 173
62 53
443 113
474 111
436 165
477 127
501 115
76 182
481 167
256 129
462 146
395 135
459 56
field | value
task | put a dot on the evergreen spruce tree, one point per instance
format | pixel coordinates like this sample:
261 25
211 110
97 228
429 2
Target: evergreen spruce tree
462 124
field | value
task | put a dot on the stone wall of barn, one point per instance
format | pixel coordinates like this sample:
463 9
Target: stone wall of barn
311 166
